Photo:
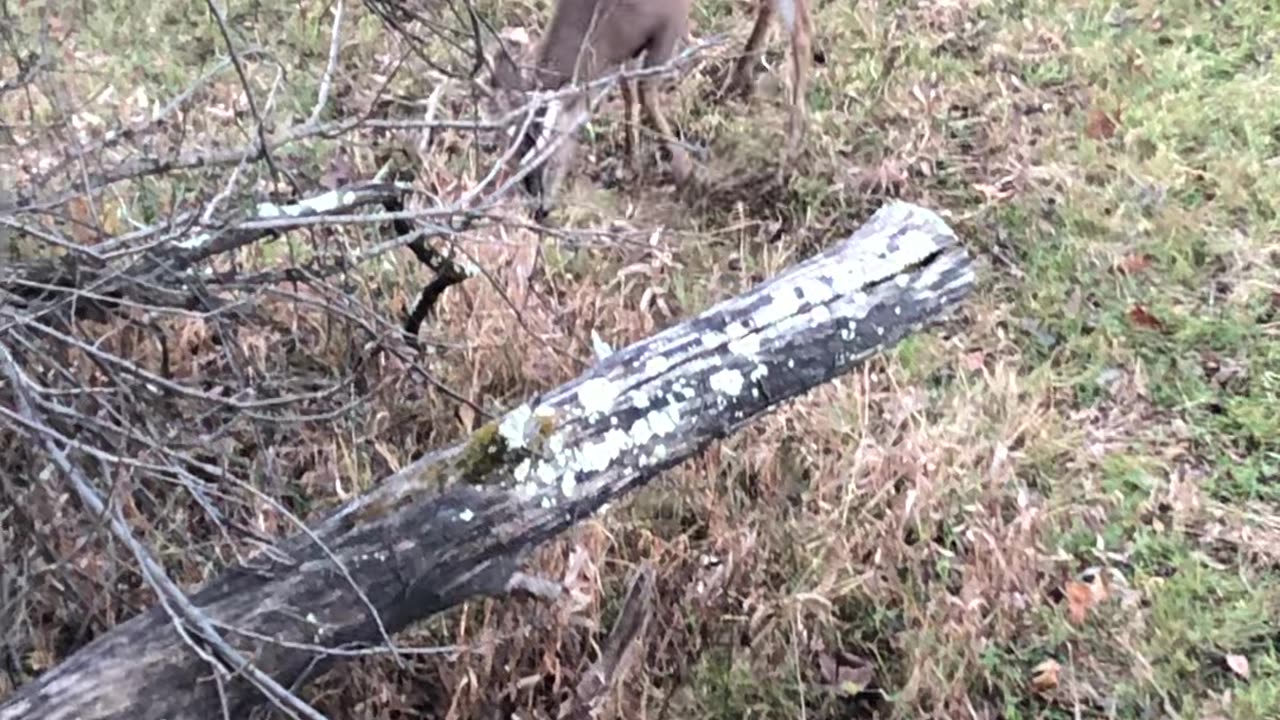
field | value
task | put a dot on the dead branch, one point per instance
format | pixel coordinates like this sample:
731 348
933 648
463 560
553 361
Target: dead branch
619 652
457 523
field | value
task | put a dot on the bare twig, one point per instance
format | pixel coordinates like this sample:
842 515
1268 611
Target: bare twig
335 44
263 147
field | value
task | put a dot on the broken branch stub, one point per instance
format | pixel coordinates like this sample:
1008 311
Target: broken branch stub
456 523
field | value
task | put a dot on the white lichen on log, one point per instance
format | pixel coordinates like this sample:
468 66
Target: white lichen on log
643 405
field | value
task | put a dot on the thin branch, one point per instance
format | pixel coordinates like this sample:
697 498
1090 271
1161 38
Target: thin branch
335 43
263 147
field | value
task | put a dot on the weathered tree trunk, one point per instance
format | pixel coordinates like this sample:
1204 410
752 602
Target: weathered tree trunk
456 523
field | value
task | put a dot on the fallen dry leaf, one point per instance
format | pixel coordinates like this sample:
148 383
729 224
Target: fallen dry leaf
853 680
467 417
1079 600
1221 371
340 172
1085 593
1239 665
1133 264
992 193
1045 676
973 361
848 673
1142 317
1099 583
1100 125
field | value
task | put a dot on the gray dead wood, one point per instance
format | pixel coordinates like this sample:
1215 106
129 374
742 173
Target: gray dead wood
590 700
417 549
168 271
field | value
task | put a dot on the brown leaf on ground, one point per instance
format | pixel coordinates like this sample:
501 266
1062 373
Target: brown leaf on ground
1089 590
973 361
1140 316
848 673
853 680
1134 263
340 172
1080 598
1046 676
467 417
1222 371
1100 125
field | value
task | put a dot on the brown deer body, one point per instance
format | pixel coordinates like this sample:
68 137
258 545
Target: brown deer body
587 39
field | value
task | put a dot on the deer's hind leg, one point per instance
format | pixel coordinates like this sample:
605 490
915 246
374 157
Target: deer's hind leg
658 53
742 81
681 164
629 131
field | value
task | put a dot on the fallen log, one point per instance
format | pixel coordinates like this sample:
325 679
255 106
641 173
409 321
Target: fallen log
457 523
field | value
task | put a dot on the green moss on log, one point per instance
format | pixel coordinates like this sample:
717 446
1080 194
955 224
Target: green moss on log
486 451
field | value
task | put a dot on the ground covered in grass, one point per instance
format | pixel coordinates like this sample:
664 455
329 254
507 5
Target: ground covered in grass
1063 503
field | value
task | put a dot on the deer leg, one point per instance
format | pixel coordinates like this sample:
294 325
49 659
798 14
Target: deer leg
629 121
801 58
741 82
681 165
660 50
